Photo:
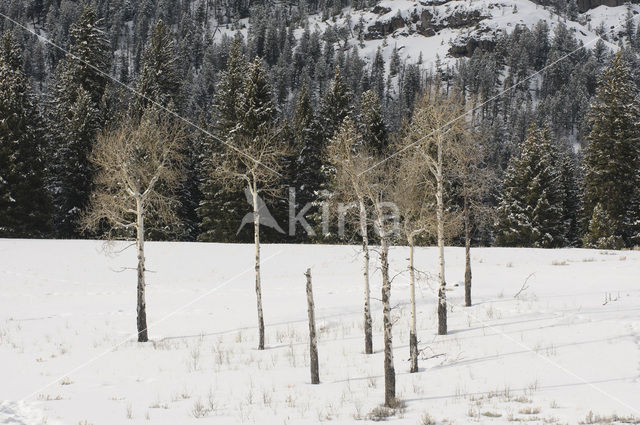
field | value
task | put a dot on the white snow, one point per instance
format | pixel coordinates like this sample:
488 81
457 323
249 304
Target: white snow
498 15
569 344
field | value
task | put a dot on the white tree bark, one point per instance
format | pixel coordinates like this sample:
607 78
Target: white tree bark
442 296
141 307
368 333
467 254
389 370
413 337
256 238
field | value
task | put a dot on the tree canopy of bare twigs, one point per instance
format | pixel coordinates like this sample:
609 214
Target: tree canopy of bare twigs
254 155
136 162
357 180
433 134
137 166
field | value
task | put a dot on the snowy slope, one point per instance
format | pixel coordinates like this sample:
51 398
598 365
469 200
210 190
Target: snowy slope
569 344
432 27
493 17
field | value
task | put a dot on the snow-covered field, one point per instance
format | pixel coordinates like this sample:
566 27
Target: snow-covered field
569 344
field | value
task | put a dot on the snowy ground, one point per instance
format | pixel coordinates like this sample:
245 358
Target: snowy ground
569 344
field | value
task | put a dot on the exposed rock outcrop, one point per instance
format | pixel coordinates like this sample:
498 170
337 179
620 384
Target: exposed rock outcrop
586 5
422 20
383 28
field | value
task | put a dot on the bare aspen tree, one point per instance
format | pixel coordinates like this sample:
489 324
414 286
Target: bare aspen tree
411 194
136 165
313 340
474 180
350 183
352 160
435 127
254 161
377 195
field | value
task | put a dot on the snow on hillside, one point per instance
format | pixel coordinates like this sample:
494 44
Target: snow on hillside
479 20
432 27
569 344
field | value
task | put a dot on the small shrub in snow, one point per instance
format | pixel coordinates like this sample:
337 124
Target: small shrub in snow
380 413
427 420
529 411
592 418
199 410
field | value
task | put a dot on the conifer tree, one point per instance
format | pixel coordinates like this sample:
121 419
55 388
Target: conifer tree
335 106
602 233
252 159
612 158
75 119
24 202
159 79
372 125
254 103
307 148
569 172
88 64
377 73
531 210
229 86
394 65
220 209
572 10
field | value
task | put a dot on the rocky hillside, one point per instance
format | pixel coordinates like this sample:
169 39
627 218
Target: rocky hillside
449 29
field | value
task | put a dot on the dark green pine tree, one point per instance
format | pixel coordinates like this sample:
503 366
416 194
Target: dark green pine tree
78 89
88 64
394 64
601 233
219 207
159 80
612 158
377 73
229 86
371 123
256 115
254 104
531 210
306 173
24 202
335 106
160 83
570 181
633 217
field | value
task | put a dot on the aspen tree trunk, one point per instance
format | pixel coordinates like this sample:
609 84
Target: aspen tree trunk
442 296
256 238
142 307
467 254
413 338
368 333
313 341
389 371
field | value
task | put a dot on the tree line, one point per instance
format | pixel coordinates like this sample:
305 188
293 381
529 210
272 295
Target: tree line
539 137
